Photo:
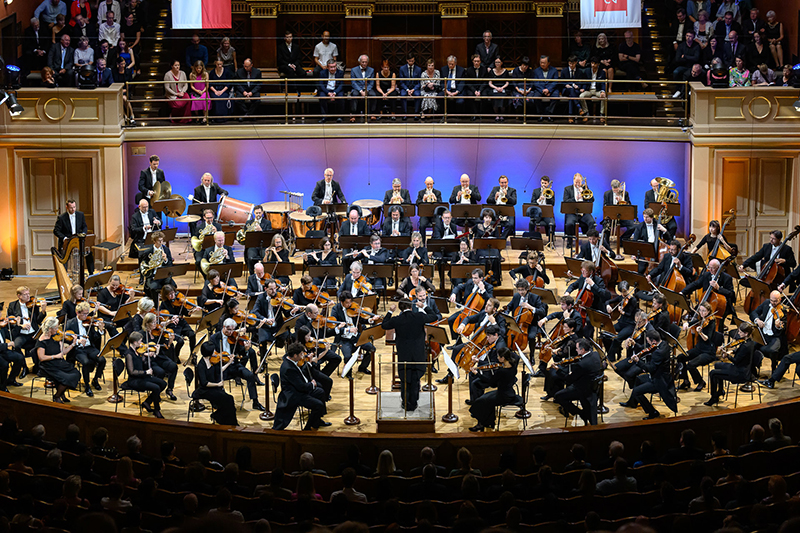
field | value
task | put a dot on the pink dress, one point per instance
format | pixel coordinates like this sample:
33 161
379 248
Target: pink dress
199 102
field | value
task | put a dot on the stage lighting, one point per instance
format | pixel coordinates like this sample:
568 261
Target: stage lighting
13 77
87 78
11 102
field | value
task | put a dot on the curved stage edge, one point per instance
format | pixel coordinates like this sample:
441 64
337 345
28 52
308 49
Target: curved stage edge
283 448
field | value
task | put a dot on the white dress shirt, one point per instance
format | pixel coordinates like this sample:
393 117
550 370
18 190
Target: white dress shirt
72 223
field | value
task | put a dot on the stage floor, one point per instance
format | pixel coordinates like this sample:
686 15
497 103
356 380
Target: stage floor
543 414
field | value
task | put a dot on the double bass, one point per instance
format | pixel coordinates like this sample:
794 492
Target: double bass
717 302
676 283
720 252
768 274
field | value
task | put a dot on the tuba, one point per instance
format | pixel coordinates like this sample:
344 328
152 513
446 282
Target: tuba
254 225
155 260
217 257
666 193
197 242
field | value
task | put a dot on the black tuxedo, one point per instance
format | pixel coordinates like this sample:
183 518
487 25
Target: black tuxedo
404 194
659 273
216 191
288 57
297 390
725 287
750 27
210 250
362 228
599 290
536 217
63 228
475 195
25 341
775 345
248 83
427 222
410 342
539 313
90 31
585 252
463 290
254 255
511 195
224 407
9 358
764 255
319 193
608 197
658 380
403 225
153 286
136 226
579 378
585 221
87 356
730 52
146 182
421 194
261 309
737 372
487 56
439 229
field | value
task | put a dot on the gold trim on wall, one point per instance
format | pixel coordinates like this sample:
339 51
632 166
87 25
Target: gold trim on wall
718 99
769 107
549 9
263 10
789 105
51 117
31 106
76 107
454 11
358 11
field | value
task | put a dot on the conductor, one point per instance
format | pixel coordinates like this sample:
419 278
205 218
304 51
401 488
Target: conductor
410 339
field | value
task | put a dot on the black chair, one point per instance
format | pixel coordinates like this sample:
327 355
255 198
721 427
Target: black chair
516 403
751 381
118 367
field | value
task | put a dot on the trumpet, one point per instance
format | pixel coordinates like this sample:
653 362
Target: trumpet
466 193
429 197
586 194
197 242
503 198
217 257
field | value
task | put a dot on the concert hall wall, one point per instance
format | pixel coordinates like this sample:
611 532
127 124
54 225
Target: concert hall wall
256 170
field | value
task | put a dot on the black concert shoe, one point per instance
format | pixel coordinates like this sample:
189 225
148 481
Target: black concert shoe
14 384
468 401
367 371
546 397
632 405
476 428
96 385
257 406
64 399
654 414
712 401
324 424
170 395
700 386
157 413
89 392
684 385
146 407
768 383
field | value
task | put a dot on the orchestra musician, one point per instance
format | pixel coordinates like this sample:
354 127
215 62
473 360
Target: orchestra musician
428 195
722 286
659 316
410 343
489 228
674 259
87 348
413 282
217 249
206 226
31 313
271 317
229 342
784 258
617 196
164 363
770 318
635 343
540 198
316 350
213 294
416 252
298 296
68 307
628 305
143 221
375 254
478 381
502 380
51 355
253 255
277 253
69 224
565 350
211 385
597 286
790 281
579 378
533 268
488 316
502 194
327 355
109 299
10 356
141 376
462 291
397 195
257 281
465 255
649 231
354 226
349 285
232 311
177 319
574 193
658 378
649 198
298 390
152 285
739 369
207 192
148 179
396 225
143 307
464 193
347 331
424 303
568 311
704 351
445 227
530 301
778 373
328 191
710 238
593 250
327 256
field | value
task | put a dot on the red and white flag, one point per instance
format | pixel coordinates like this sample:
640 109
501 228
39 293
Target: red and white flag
602 14
201 14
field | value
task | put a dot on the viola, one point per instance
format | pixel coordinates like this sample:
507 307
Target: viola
354 310
220 357
320 298
122 289
490 366
224 290
182 301
160 330
92 303
285 303
13 320
316 345
326 322
547 350
68 336
35 302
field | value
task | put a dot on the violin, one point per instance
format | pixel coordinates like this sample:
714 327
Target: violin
725 351
182 301
147 349
361 284
122 289
238 338
92 303
34 302
68 336
249 319
326 322
321 298
223 289
220 357
88 323
778 313
354 310
569 360
13 320
160 330
316 345
490 366
285 303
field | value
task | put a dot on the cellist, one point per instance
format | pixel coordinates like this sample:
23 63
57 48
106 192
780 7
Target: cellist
784 256
461 292
723 285
660 275
628 305
589 281
593 250
479 381
489 316
531 302
533 270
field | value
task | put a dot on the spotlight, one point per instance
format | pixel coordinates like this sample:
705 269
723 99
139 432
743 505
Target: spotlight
87 78
10 100
13 77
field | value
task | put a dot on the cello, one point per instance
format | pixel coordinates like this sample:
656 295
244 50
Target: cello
472 349
768 274
609 272
472 305
717 302
676 283
524 319
721 252
793 317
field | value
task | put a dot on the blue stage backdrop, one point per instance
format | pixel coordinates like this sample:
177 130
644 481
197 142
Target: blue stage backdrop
256 170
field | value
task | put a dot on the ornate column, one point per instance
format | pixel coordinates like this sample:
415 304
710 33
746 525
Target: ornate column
550 26
454 32
358 30
264 23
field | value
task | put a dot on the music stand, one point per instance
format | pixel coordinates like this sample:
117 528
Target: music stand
173 271
574 265
353 242
452 375
306 243
489 244
169 235
97 280
758 288
352 419
434 334
677 299
278 268
198 208
465 270
443 247
523 413
209 320
371 334
546 295
259 239
578 209
673 210
699 264
427 209
112 345
409 210
501 209
442 304
639 249
634 279
619 213
395 243
170 206
383 271
235 270
527 244
601 321
333 209
466 211
126 310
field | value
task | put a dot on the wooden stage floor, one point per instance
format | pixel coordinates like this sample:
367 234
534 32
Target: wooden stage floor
543 414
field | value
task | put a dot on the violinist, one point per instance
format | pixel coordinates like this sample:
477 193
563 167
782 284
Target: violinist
659 316
502 380
307 333
479 380
737 371
177 321
152 285
298 296
409 329
31 313
527 300
253 255
164 363
464 255
790 281
636 343
778 373
349 314
532 270
489 228
593 250
617 196
416 253
256 281
428 195
579 378
227 254
770 317
574 193
396 225
232 311
594 283
397 195
9 357
709 239
540 198
109 299
51 355
231 342
502 194
297 390
270 313
213 294
462 291
143 306
327 256
278 253
445 227
141 376
354 283
87 349
784 256
658 378
68 307
674 259
649 231
413 282
628 305
205 226
704 351
211 385
723 285
568 311
315 352
565 349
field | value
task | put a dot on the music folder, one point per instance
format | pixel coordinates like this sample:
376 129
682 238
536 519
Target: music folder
547 210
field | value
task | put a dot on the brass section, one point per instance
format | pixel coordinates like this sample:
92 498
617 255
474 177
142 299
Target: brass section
501 7
785 109
55 109
759 105
358 11
406 8
263 10
454 11
31 112
728 107
85 109
549 9
311 7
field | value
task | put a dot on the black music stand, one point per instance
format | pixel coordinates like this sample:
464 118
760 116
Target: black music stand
444 247
619 213
395 243
278 268
113 345
501 210
527 244
126 310
333 211
209 320
547 210
353 242
235 270
601 321
306 243
465 270
578 209
466 212
730 269
546 295
758 288
383 271
325 271
427 209
259 239
439 335
169 235
645 250
634 279
699 264
573 265
95 281
409 210
371 334
677 299
173 271
673 210
489 244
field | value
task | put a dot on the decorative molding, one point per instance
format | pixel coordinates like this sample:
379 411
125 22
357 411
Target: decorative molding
358 11
324 7
454 10
550 9
264 10
411 7
240 7
85 109
501 6
55 109
728 107
31 106
758 102
785 109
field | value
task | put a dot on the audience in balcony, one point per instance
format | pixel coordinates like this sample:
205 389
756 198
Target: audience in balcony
752 25
758 53
387 89
227 54
714 50
789 78
331 91
773 34
123 51
763 75
703 29
733 48
728 6
248 90
572 88
694 7
594 89
290 63
83 54
59 28
687 54
108 6
474 87
198 91
109 30
603 51
487 50
499 82
430 84
324 51
82 28
48 10
60 60
678 27
630 57
580 49
545 88
738 75
453 84
175 90
362 84
132 32
196 52
220 91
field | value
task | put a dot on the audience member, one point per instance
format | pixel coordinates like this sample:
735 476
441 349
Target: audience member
306 464
678 28
324 51
474 87
428 457
719 441
755 443
687 450
131 32
429 89
409 82
763 75
227 54
788 78
108 6
48 10
354 461
198 91
578 462
777 438
124 474
647 455
687 55
71 492
428 488
114 501
738 76
18 457
35 45
386 466
223 508
713 51
59 28
594 89
109 30
630 57
60 60
175 89
331 91
348 480
732 49
498 88
487 50
305 488
773 34
219 91
361 86
52 465
706 501
83 54
453 84
387 89
703 29
204 458
196 52
522 88
572 88
100 444
274 489
603 51
289 62
581 50
37 440
247 91
545 88
752 26
621 482
464 458
231 480
82 28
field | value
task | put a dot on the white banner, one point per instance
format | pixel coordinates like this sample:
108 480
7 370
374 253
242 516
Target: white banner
607 14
